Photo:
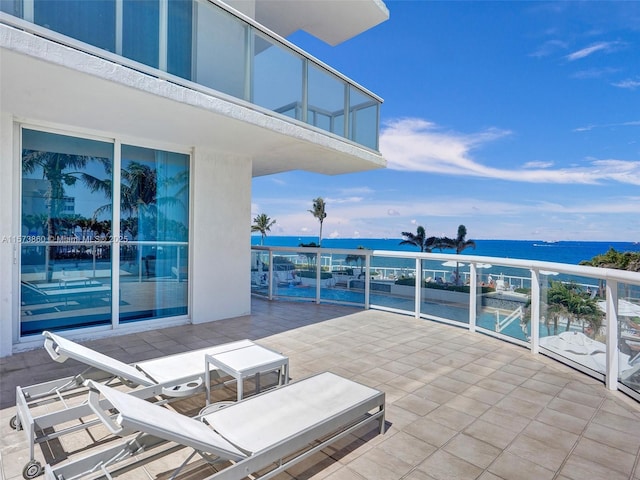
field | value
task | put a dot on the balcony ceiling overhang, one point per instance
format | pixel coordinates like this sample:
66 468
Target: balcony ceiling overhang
65 87
331 21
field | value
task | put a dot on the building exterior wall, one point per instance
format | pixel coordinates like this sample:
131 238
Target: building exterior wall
221 237
51 83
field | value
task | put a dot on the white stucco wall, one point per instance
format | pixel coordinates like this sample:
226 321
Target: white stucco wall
7 200
221 243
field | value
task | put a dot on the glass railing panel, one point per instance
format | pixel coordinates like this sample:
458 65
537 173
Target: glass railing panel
180 39
503 300
12 7
140 31
326 100
90 22
277 78
294 274
342 277
64 285
220 40
391 283
444 295
363 118
629 335
154 280
572 314
260 272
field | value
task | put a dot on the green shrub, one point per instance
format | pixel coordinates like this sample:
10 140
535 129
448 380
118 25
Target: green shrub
440 286
312 274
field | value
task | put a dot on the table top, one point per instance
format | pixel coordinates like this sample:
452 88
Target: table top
247 359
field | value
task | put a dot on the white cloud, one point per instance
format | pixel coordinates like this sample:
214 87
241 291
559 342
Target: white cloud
393 213
419 146
338 200
629 83
594 73
548 48
537 165
596 47
587 128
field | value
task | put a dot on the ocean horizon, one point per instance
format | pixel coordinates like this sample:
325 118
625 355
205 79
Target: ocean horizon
569 252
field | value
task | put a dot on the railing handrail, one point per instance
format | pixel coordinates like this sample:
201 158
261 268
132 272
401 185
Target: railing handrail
538 265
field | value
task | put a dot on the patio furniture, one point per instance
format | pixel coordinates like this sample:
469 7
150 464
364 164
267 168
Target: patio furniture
247 362
267 433
173 376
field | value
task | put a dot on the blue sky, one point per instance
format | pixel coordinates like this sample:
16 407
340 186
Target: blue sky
520 120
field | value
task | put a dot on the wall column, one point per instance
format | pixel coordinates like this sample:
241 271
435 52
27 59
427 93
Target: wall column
9 233
220 275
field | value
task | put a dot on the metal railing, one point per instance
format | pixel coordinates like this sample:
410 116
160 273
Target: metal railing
506 298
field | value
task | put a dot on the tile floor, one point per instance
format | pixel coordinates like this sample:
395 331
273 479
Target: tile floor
459 405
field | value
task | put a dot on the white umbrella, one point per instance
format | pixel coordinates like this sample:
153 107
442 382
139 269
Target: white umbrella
452 263
547 272
484 265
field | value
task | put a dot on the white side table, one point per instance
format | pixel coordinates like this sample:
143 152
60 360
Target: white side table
247 362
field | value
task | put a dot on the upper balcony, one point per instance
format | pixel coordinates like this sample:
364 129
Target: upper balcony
209 47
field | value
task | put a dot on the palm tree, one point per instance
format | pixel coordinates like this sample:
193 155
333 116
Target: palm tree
262 223
459 244
319 212
420 240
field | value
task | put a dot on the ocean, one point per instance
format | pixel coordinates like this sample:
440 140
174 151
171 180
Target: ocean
561 252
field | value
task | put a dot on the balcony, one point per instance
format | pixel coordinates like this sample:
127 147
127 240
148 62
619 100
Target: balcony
459 404
208 47
585 317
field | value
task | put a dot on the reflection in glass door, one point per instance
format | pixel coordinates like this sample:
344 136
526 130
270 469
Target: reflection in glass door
65 278
71 247
154 228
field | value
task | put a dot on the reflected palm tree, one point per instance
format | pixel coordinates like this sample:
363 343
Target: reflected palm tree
568 301
139 199
60 170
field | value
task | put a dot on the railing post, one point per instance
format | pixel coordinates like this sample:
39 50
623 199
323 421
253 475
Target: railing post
367 281
534 323
473 297
611 379
318 275
418 286
270 281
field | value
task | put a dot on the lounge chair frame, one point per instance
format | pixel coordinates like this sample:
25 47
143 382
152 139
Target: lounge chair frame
354 407
107 370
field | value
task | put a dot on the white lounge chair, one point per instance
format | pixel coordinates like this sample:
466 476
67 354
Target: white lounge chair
266 433
173 376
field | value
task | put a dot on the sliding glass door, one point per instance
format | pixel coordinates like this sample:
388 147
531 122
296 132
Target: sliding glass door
80 266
